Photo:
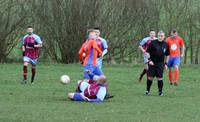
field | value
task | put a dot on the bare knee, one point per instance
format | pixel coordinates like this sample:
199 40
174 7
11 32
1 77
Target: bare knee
70 95
150 78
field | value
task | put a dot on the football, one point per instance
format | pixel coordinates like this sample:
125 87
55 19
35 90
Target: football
64 79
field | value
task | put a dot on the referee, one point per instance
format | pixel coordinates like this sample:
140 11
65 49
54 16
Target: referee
157 51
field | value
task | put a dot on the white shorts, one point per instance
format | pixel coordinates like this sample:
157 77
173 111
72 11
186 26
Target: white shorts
145 58
32 61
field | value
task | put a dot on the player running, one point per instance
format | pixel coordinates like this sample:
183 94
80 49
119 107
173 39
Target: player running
144 43
88 54
174 42
31 43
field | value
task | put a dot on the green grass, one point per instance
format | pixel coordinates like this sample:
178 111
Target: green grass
46 100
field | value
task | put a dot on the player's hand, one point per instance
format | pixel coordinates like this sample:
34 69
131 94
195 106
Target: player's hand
83 55
100 55
182 55
86 99
166 67
30 44
151 63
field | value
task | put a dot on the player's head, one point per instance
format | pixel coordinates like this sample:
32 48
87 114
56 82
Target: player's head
91 34
102 79
29 29
152 33
97 31
174 33
161 36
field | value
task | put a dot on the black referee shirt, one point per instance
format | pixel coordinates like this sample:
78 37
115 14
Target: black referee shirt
158 51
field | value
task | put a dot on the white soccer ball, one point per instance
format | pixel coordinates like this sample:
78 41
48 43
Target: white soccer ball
64 79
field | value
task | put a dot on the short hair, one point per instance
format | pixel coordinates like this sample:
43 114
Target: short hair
151 30
97 28
29 26
162 32
173 30
90 30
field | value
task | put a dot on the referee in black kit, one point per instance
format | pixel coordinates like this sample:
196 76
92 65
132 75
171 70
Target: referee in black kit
157 51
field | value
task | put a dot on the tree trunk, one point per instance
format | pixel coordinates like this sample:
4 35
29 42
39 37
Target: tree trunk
197 53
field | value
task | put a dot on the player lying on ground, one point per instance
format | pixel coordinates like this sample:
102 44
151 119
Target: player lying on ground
94 92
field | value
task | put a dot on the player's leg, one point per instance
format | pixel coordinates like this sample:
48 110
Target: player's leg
97 73
176 70
159 76
33 69
26 61
170 73
151 75
75 96
86 69
145 68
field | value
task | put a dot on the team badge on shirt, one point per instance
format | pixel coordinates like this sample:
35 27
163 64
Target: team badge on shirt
173 47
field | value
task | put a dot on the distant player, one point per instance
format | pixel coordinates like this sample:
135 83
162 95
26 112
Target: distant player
174 42
157 51
88 54
31 44
103 46
144 43
94 92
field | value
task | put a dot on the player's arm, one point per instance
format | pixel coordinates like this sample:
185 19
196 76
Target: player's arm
23 46
105 47
183 51
38 43
142 49
142 42
80 53
148 51
167 54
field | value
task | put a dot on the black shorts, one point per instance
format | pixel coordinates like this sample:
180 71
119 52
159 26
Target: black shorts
156 70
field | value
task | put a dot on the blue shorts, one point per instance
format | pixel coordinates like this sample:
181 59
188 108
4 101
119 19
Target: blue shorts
93 69
174 61
78 97
32 61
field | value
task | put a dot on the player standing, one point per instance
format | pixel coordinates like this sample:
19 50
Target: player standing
174 42
144 43
157 51
31 43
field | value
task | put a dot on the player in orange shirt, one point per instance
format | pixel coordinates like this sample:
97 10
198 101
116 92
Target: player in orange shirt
88 55
174 42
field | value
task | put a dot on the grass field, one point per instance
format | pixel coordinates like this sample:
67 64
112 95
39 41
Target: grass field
46 100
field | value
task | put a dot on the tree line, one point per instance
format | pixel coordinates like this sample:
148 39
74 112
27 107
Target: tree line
63 24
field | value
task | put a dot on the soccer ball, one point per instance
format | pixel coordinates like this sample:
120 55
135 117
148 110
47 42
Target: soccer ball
64 79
